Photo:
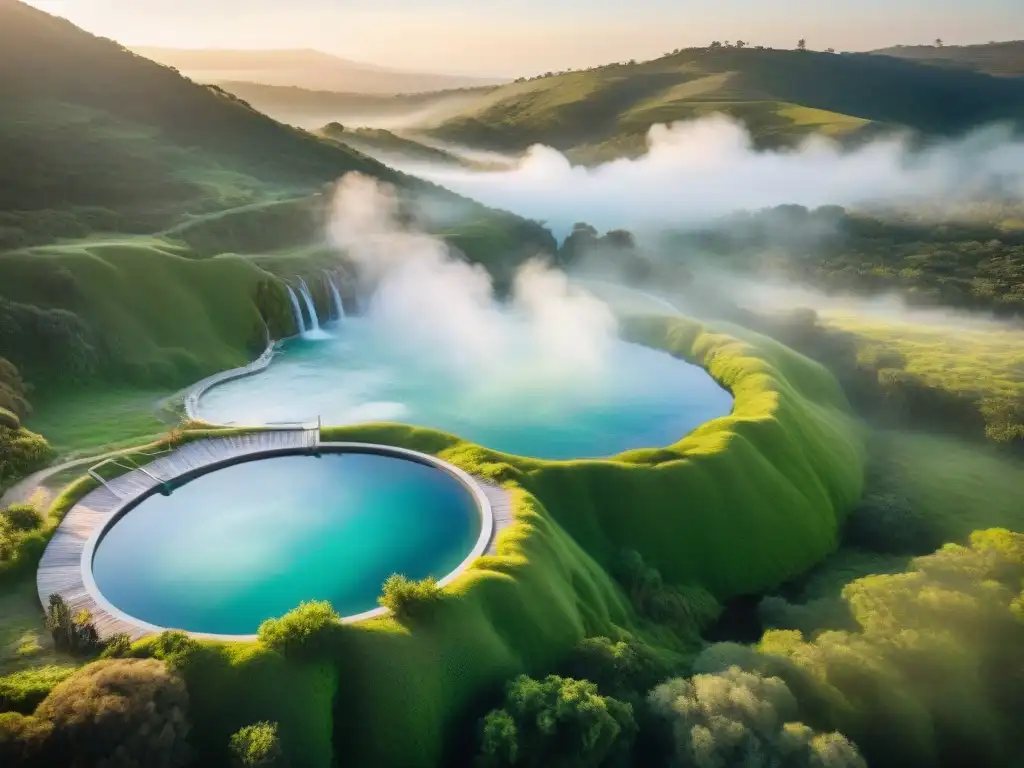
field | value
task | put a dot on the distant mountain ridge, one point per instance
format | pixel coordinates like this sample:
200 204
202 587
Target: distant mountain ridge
303 68
781 96
1005 59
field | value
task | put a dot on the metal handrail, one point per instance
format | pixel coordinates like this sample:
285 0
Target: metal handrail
131 466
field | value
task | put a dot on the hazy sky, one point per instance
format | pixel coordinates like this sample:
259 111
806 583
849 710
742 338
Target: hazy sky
511 37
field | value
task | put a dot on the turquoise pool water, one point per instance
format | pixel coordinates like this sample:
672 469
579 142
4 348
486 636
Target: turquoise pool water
358 373
251 541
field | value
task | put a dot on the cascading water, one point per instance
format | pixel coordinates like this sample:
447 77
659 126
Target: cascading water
297 311
339 308
314 322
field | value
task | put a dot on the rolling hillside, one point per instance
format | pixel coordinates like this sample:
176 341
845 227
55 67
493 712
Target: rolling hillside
86 123
118 175
1004 59
96 138
781 95
303 69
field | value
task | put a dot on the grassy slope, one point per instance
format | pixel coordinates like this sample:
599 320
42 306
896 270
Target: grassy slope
1002 59
163 318
781 95
95 120
744 503
961 486
95 138
83 421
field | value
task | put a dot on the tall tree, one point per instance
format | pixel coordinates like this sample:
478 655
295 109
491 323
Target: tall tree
801 44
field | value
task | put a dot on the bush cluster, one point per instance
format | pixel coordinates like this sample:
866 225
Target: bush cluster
21 453
557 721
22 539
308 631
931 675
123 713
257 746
72 633
738 718
685 609
410 600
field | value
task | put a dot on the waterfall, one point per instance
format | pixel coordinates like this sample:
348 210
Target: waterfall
314 322
296 311
339 308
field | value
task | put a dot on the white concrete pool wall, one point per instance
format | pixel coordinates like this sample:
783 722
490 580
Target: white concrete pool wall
66 565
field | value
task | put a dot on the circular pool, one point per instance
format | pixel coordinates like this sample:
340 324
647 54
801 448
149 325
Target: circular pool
250 541
641 397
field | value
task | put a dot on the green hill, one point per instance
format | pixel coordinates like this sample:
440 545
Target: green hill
88 123
117 174
115 142
1004 59
782 96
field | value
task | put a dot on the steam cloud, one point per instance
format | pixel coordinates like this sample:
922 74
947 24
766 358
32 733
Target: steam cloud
425 297
700 170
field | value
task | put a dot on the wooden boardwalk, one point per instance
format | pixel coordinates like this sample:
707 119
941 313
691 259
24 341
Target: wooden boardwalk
66 567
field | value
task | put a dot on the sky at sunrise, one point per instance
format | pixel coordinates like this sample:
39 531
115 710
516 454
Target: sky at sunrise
513 37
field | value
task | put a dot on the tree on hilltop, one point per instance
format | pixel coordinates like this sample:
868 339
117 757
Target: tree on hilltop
801 44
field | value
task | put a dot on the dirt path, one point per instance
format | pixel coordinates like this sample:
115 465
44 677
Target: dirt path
32 487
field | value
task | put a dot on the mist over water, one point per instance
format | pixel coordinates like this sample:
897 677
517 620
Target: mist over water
540 373
697 171
433 302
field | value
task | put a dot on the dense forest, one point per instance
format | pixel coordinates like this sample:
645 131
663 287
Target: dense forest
971 260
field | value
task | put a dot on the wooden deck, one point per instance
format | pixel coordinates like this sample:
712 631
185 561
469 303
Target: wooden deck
65 568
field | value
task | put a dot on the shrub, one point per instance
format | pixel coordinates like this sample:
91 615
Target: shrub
13 391
117 646
557 721
621 669
173 647
743 718
74 634
22 517
23 691
24 741
410 600
120 712
21 453
9 420
307 631
257 746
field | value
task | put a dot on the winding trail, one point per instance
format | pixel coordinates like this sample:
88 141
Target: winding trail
26 488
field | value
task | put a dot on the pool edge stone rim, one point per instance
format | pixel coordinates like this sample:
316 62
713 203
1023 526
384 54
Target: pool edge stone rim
66 565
